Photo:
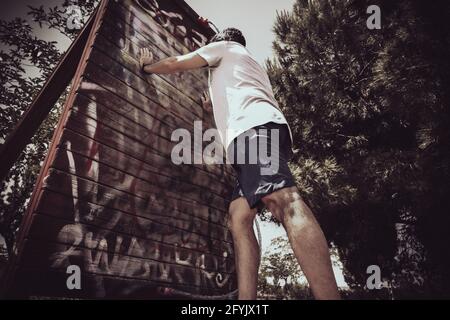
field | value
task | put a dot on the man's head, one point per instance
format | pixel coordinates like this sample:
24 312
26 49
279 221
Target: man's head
229 34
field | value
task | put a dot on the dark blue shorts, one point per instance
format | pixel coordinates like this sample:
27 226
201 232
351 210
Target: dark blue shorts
265 167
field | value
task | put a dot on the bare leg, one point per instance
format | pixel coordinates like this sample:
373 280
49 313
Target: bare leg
246 247
307 240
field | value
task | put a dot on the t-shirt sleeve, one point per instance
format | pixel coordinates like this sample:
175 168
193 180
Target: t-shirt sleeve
212 53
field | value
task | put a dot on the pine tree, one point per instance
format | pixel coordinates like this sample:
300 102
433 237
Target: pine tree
369 113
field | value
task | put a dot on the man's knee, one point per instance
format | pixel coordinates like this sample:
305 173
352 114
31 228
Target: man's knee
280 201
240 216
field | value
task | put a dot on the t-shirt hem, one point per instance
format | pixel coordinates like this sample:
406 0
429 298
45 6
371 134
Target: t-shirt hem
230 139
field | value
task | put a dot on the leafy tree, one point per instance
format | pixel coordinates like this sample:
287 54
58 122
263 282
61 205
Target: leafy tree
280 276
369 111
26 61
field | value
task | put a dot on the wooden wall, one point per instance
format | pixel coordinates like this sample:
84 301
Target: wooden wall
109 199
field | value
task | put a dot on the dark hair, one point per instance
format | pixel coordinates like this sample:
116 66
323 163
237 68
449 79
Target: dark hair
229 34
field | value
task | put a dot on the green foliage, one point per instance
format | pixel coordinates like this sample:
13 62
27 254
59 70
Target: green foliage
56 17
25 63
369 110
280 276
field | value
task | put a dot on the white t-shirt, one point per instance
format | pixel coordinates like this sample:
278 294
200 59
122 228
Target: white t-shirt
240 90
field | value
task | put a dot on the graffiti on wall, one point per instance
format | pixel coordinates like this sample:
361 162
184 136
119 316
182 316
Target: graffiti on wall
112 202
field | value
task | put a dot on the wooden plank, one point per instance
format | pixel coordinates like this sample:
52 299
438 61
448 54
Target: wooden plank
126 184
64 206
145 86
108 83
89 191
67 183
109 94
167 27
153 246
180 84
89 206
42 282
151 137
142 111
150 163
150 203
130 40
197 175
214 200
138 185
150 143
147 33
90 112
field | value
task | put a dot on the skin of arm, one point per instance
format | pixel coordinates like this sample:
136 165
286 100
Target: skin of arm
170 65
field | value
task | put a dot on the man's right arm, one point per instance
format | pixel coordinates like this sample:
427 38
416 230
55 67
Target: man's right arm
176 64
